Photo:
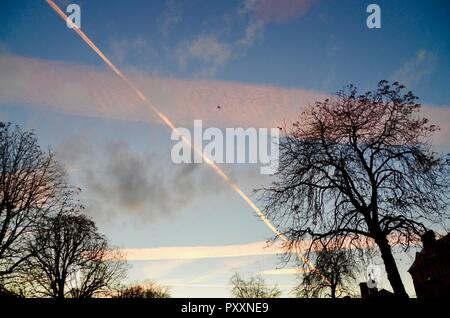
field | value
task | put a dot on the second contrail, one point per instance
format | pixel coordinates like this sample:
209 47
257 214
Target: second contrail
169 123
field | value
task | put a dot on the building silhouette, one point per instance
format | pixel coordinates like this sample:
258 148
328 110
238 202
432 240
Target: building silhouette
367 292
430 270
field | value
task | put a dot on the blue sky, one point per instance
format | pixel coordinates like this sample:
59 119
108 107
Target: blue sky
323 49
226 52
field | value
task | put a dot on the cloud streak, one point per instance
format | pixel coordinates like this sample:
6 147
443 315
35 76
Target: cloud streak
225 251
201 252
283 271
88 91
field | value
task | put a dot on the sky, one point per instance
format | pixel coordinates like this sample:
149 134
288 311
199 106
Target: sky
260 60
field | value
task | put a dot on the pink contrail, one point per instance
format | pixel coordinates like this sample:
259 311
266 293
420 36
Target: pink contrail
169 123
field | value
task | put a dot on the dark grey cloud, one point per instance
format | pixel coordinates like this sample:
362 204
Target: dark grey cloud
117 180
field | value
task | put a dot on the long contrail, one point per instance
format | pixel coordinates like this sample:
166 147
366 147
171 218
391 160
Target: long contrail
169 123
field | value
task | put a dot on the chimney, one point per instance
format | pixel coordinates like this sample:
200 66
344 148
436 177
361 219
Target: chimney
367 292
364 290
428 241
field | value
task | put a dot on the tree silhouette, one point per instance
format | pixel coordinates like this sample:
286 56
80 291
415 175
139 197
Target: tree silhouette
360 165
254 287
334 271
70 258
32 185
145 290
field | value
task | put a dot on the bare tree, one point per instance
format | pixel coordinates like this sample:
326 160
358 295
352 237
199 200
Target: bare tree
31 187
70 258
360 166
145 290
254 287
334 272
101 275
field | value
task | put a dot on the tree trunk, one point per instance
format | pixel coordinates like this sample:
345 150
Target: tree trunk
333 291
391 268
60 289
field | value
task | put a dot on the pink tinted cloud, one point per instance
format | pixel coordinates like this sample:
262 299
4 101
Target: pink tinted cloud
235 250
89 91
201 252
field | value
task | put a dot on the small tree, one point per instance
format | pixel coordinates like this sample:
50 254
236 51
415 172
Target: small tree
334 271
254 287
145 290
360 165
70 258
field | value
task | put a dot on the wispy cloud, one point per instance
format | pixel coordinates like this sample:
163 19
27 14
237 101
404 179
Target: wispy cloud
416 68
221 285
202 252
209 50
221 251
253 31
170 17
135 54
283 271
214 48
